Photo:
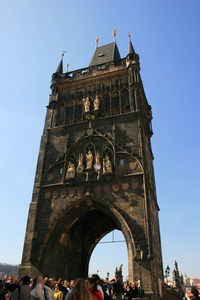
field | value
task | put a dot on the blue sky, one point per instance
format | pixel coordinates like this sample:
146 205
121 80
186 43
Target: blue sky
166 36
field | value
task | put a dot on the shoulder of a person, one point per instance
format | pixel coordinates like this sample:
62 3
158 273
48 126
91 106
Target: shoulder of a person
48 288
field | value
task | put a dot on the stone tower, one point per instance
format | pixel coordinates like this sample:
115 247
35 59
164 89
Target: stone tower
95 172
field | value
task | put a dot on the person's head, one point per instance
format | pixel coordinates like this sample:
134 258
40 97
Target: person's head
92 284
66 283
26 280
80 291
36 280
194 291
58 287
72 283
12 279
61 281
96 277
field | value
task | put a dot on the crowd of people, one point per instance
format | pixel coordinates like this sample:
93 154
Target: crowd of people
92 288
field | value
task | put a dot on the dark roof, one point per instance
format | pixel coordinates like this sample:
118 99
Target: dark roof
130 48
105 54
60 67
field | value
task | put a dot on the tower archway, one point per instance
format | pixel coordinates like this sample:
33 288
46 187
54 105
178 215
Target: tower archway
67 249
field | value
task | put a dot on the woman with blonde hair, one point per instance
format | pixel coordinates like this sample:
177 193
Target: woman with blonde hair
80 291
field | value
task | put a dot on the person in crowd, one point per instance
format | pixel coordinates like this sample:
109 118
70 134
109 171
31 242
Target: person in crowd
80 291
67 285
98 280
92 286
58 294
107 288
195 293
130 293
117 288
2 289
22 292
62 288
71 286
40 291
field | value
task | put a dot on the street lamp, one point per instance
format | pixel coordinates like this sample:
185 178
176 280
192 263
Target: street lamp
167 272
139 258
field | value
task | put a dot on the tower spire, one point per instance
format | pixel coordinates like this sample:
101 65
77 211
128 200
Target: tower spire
130 45
60 66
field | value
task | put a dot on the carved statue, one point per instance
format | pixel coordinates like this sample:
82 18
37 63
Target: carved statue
118 273
89 159
70 171
96 102
107 165
80 166
97 165
86 103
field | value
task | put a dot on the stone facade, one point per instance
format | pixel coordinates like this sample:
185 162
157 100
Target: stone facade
95 173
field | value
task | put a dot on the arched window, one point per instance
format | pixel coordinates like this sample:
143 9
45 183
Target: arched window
69 113
125 101
115 104
107 105
78 111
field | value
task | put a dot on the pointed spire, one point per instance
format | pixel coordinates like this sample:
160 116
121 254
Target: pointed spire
130 45
60 66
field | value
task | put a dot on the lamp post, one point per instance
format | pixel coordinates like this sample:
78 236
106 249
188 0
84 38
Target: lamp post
108 274
167 272
139 258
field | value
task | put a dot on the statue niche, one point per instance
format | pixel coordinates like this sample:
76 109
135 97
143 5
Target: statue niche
86 103
80 166
107 165
89 159
71 171
96 103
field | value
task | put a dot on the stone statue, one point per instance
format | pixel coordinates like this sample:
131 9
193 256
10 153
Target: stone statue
118 273
96 102
86 103
89 159
70 171
80 166
107 165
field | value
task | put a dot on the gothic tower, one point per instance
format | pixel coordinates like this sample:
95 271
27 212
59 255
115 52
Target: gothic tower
95 172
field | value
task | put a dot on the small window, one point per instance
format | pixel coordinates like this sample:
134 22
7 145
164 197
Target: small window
61 171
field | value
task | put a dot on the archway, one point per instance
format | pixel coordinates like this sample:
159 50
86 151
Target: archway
109 253
69 246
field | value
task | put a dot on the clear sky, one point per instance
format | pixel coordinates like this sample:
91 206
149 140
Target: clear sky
166 36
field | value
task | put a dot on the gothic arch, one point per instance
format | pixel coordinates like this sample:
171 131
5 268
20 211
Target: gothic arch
67 238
